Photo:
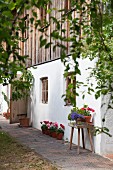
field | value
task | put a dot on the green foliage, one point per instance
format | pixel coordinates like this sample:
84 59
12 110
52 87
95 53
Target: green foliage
69 116
44 127
21 87
82 112
95 43
53 128
6 99
12 29
99 130
59 130
10 12
5 139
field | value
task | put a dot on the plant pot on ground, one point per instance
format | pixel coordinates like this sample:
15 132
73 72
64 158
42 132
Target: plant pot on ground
60 136
44 126
54 134
53 128
60 132
7 114
24 122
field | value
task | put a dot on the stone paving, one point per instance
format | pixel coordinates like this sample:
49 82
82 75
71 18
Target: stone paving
56 151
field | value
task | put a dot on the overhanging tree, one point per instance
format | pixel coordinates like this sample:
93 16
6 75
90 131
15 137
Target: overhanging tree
91 36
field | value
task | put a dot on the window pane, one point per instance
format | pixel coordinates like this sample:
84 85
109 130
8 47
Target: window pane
44 90
47 85
42 96
46 96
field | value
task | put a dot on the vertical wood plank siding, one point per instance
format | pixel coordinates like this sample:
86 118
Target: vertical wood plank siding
32 48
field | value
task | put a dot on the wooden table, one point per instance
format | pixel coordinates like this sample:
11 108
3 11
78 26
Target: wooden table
82 126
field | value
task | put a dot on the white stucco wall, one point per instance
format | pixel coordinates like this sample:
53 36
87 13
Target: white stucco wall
90 100
56 110
3 103
107 142
1 100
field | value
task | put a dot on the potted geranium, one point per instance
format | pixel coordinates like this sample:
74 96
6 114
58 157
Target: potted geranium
60 132
53 128
44 126
83 114
87 112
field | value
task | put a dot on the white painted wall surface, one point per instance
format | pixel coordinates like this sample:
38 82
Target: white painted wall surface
4 105
90 100
1 100
56 110
107 142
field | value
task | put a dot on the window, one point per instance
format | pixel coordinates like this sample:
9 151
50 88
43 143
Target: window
70 89
44 82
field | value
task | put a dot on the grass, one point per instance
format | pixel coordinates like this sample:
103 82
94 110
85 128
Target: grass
14 156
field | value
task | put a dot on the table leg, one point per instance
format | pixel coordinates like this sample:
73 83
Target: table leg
83 143
71 137
78 140
90 139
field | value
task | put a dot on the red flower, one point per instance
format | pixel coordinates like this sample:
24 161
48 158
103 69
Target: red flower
46 122
62 126
55 124
83 108
90 109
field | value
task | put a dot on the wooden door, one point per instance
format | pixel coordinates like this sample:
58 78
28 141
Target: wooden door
17 108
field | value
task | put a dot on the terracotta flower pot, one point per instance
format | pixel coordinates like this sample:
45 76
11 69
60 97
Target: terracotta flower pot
54 135
88 119
24 122
6 115
60 136
50 133
43 131
47 132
